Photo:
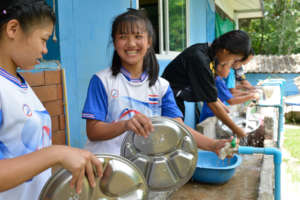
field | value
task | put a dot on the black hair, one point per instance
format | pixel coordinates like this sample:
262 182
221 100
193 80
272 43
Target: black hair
27 12
236 42
127 22
251 53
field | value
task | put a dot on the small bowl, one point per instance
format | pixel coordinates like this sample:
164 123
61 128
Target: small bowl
211 169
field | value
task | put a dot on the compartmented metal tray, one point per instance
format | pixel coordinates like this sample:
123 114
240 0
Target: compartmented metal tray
249 126
121 180
167 157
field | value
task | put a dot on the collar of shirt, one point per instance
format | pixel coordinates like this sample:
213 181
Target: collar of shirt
13 79
127 75
210 52
212 67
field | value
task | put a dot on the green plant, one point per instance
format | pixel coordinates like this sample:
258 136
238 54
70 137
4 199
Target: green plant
292 141
293 170
278 31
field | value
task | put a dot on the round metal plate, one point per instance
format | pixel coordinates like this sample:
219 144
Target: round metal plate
252 125
121 180
167 157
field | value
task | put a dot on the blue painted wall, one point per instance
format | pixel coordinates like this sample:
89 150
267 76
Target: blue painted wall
53 47
289 87
210 21
198 21
84 49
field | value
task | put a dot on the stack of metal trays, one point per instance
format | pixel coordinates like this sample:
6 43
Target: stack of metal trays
167 157
121 180
249 125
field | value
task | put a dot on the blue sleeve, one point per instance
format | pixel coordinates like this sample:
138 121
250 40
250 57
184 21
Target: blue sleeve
224 95
230 80
1 118
205 112
96 102
1 115
169 107
223 92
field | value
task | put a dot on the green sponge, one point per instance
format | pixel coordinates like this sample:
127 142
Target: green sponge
233 142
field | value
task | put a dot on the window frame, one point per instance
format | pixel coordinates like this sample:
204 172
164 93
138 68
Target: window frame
164 36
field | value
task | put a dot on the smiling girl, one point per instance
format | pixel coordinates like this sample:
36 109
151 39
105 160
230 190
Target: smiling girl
123 97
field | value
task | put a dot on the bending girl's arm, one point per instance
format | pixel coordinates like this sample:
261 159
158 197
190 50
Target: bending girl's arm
204 142
224 106
17 170
220 112
242 99
237 92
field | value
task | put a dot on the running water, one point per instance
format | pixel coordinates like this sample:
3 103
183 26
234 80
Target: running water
248 112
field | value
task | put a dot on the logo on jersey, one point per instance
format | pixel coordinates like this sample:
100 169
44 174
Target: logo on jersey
114 93
27 110
212 67
46 137
153 98
129 113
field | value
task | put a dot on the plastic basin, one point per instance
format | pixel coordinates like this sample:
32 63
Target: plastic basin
211 169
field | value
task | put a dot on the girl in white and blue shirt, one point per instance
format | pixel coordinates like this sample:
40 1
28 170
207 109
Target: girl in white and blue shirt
124 96
26 153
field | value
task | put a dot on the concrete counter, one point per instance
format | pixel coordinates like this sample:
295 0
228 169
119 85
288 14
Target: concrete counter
242 186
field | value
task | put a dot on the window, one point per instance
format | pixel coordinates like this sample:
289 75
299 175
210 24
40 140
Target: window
169 18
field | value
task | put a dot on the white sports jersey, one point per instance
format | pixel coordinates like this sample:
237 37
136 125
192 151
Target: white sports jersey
25 126
114 98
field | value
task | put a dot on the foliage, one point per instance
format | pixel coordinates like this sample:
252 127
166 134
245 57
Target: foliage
278 32
292 142
177 23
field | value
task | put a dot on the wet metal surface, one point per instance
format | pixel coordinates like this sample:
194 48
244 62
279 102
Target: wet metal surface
121 180
167 157
242 186
249 125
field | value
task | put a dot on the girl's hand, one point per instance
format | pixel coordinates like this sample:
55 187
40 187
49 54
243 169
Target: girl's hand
240 132
219 144
255 96
80 163
140 125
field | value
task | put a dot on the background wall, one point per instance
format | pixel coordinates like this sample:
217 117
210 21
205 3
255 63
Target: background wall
47 85
53 47
84 49
289 87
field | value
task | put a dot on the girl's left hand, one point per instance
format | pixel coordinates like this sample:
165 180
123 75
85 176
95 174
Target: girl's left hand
220 143
140 124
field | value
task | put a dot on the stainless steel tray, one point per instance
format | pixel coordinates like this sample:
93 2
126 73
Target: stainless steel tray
121 180
252 125
167 157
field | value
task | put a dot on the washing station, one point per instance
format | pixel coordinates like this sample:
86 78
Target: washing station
258 176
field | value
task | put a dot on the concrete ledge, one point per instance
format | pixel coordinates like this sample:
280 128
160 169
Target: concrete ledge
208 127
266 184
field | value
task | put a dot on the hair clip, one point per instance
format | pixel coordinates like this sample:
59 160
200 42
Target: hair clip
4 12
133 9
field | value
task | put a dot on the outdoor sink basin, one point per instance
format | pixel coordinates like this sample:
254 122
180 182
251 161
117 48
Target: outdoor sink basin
210 169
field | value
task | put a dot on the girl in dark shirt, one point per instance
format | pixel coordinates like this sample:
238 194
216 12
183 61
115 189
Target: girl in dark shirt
192 73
